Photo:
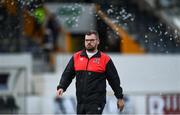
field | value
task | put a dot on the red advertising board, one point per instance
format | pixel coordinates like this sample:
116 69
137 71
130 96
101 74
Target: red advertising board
163 104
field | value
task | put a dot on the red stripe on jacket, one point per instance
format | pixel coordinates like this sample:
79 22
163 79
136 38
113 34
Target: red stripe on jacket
94 64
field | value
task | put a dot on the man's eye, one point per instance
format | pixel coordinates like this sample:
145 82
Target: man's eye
89 40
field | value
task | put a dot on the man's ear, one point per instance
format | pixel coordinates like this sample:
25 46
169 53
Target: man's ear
98 41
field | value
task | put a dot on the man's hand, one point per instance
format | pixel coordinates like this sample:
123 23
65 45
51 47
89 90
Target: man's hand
120 104
59 92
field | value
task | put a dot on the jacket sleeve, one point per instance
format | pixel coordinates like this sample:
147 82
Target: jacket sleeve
67 75
113 79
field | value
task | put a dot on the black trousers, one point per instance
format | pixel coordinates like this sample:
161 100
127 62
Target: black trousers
90 108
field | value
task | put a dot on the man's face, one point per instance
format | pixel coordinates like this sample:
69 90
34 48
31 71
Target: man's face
91 42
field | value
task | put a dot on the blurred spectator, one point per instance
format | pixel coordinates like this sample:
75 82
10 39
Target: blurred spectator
60 108
53 29
50 41
2 15
2 105
11 104
8 105
39 16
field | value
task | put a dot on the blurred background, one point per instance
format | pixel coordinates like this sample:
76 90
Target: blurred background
38 37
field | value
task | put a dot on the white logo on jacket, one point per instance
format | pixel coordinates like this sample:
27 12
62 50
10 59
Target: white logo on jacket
96 60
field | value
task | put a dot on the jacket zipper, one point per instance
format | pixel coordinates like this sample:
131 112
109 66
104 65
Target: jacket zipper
85 80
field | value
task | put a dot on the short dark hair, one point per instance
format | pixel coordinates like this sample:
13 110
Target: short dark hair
93 32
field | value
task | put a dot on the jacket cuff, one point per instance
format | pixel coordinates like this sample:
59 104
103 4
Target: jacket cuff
121 96
58 87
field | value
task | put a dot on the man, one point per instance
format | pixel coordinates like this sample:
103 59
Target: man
91 68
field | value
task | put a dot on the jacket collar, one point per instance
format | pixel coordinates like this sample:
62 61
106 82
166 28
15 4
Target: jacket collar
83 53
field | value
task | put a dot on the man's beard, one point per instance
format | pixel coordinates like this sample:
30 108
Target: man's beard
91 49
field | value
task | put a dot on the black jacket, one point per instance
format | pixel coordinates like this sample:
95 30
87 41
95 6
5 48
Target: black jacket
91 75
